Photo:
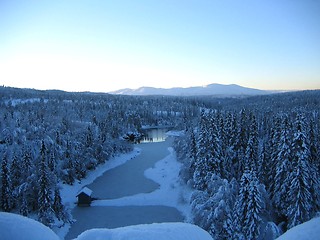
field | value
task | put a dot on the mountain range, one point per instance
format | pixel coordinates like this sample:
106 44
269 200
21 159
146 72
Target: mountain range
208 90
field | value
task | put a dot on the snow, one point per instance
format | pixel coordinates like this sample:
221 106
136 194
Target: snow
175 133
306 231
156 231
15 102
17 227
171 193
86 191
69 192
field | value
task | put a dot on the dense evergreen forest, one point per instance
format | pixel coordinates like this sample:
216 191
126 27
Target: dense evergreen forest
253 163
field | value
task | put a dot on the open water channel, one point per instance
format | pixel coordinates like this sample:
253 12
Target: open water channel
126 180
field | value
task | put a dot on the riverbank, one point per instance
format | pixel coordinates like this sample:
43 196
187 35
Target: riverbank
69 192
123 202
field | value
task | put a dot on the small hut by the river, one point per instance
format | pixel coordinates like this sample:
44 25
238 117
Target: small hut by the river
84 197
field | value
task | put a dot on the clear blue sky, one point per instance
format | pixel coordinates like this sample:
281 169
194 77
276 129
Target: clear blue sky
95 45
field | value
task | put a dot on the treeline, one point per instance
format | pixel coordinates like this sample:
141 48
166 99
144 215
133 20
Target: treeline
53 137
255 171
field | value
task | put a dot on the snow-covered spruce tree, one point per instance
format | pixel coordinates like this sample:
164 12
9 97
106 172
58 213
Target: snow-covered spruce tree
315 167
24 210
214 149
300 200
222 202
203 154
15 172
68 165
6 190
192 151
275 136
26 164
241 144
45 213
240 208
263 163
251 157
231 159
60 211
15 176
248 207
211 209
57 205
283 168
255 207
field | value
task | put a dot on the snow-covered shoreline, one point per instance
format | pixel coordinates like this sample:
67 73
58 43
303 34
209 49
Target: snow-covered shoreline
69 192
172 193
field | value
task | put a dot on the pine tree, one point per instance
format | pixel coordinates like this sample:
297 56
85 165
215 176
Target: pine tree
6 190
57 206
241 144
45 213
231 155
202 155
248 207
26 164
273 148
251 157
314 167
255 206
263 162
299 196
192 151
283 168
214 150
15 176
24 210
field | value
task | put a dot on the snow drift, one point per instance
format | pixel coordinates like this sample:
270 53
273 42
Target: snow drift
306 231
16 227
156 231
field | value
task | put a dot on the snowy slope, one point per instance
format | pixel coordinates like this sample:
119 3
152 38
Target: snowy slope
306 231
156 231
17 227
211 89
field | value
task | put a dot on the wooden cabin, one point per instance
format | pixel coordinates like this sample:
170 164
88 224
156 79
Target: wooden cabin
84 197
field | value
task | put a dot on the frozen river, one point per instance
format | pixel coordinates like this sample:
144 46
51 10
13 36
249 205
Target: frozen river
126 180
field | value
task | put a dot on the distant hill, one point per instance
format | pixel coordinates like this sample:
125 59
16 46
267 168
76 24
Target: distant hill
208 90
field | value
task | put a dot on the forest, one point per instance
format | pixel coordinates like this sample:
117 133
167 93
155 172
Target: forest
253 162
254 165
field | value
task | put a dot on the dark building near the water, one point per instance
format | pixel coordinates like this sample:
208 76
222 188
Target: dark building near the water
84 197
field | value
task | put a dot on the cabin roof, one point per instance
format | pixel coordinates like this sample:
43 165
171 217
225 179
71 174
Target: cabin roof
86 191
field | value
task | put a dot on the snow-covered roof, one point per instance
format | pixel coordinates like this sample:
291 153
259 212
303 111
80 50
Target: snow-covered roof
155 231
86 191
16 227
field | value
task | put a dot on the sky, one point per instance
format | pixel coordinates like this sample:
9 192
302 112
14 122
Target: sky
102 45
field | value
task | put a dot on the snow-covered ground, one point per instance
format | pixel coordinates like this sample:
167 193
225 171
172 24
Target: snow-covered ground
306 231
156 231
17 227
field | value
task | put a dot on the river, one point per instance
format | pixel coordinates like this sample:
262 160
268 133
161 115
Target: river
125 180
